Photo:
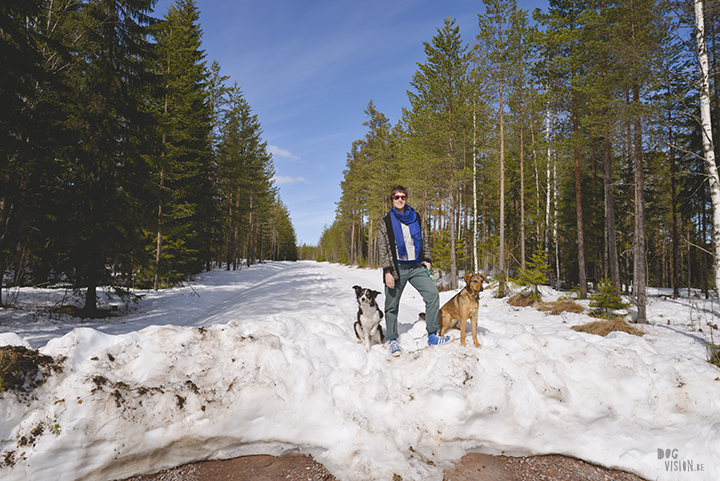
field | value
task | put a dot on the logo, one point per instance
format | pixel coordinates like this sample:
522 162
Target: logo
673 463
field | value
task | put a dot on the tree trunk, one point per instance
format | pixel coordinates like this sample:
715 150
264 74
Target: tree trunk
158 245
546 232
451 205
675 228
522 190
231 227
475 206
707 137
613 263
502 189
2 276
582 276
352 260
640 263
90 308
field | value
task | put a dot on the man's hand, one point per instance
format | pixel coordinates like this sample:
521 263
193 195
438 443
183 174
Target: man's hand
426 264
389 280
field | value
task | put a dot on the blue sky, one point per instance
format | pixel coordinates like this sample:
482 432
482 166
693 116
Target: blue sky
309 70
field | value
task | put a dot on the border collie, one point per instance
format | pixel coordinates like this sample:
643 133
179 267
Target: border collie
367 326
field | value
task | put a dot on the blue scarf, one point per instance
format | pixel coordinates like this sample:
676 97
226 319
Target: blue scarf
409 218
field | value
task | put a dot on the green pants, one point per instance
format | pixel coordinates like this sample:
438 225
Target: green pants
416 275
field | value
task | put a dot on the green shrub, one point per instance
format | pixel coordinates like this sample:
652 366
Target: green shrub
534 276
714 354
606 300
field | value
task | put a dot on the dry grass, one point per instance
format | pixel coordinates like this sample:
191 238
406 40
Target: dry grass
555 307
558 307
520 300
603 328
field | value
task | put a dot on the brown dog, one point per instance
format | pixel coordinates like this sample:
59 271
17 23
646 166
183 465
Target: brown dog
463 306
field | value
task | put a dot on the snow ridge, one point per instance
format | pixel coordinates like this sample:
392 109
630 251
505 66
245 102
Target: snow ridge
264 360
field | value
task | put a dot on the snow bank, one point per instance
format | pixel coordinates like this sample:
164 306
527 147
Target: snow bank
264 360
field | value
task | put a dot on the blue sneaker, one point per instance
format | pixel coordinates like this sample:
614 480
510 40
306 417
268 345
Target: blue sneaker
395 348
434 339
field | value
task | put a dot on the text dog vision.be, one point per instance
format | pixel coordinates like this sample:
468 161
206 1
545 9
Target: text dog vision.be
672 462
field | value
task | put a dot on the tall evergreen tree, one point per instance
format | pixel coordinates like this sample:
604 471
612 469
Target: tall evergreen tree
519 37
565 70
102 167
439 112
602 87
245 172
493 46
639 33
21 136
183 166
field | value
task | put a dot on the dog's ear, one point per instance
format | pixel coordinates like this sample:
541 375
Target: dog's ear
358 290
374 294
467 278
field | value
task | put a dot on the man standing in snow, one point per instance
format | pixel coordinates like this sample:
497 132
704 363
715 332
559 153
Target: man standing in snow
405 257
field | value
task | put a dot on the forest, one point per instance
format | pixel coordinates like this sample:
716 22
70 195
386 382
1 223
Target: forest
573 138
126 160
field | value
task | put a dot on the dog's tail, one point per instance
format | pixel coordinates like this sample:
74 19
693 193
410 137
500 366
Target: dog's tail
422 316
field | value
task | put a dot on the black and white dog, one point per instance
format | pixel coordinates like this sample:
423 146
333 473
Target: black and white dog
367 326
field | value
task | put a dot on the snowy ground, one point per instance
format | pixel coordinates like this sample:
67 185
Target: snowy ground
264 360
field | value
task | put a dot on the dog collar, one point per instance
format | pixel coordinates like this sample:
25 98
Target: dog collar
474 296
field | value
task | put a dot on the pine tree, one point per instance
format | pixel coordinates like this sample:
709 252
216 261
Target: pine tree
245 172
601 87
565 69
493 38
282 245
185 212
440 112
519 59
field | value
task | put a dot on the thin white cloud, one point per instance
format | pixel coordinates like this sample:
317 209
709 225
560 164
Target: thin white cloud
278 152
280 179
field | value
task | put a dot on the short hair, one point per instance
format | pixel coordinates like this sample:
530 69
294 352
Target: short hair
398 188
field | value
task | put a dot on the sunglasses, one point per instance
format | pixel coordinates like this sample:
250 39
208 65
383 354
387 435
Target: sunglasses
399 197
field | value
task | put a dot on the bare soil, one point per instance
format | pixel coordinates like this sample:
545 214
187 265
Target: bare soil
472 467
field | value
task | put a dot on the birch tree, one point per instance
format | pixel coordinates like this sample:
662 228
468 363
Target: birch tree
707 135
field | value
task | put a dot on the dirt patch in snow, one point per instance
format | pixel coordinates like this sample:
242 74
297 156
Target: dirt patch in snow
472 467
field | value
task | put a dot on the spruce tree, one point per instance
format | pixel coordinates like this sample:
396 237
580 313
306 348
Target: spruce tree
182 241
606 299
99 213
534 275
21 138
